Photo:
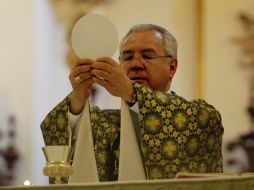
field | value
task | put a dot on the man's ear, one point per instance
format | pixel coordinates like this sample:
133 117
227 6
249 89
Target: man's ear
173 67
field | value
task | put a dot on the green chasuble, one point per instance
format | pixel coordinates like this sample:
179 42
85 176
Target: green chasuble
176 135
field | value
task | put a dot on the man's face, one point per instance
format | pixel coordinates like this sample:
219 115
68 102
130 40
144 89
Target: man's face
139 59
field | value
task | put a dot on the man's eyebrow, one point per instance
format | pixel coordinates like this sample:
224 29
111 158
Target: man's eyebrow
127 52
146 50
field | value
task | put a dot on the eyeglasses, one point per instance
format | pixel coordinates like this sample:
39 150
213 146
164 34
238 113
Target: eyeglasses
127 58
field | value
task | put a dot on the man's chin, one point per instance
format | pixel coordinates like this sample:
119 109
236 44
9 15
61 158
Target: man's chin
142 82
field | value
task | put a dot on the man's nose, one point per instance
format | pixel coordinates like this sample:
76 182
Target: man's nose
137 63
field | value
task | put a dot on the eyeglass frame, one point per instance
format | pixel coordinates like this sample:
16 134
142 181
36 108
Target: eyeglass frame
145 58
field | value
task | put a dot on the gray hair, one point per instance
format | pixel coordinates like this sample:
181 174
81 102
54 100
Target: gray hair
169 40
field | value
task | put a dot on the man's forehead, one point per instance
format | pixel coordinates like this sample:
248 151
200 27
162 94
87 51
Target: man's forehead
151 34
144 50
143 40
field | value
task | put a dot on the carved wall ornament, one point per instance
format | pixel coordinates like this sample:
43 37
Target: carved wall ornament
245 142
246 41
68 10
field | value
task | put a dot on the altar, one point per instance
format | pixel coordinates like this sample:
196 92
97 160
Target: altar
211 183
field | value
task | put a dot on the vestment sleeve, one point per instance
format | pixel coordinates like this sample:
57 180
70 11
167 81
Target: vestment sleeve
55 125
178 135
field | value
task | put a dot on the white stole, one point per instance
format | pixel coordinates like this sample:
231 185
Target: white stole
84 163
130 161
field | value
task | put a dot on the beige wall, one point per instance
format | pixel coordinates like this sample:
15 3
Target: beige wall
16 73
226 83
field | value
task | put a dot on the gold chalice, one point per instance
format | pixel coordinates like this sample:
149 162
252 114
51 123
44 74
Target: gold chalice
58 163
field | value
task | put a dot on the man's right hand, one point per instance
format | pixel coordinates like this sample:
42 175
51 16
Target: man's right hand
81 85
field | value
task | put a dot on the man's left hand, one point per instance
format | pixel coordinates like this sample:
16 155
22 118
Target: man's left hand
109 74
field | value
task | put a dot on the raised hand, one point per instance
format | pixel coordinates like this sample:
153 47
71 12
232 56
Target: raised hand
109 74
81 81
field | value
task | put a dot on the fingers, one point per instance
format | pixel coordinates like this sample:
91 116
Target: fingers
82 66
85 76
81 71
101 82
86 83
102 66
107 60
77 79
101 74
84 61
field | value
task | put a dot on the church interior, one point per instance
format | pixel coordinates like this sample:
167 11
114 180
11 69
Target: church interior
215 62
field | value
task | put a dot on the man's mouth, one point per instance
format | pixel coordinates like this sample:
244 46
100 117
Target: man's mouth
139 80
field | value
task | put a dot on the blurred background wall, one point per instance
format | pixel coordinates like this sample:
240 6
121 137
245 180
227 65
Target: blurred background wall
34 65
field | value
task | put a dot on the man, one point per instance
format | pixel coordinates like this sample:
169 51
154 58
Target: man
176 135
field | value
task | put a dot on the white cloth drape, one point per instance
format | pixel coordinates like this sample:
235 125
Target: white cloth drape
84 163
130 161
